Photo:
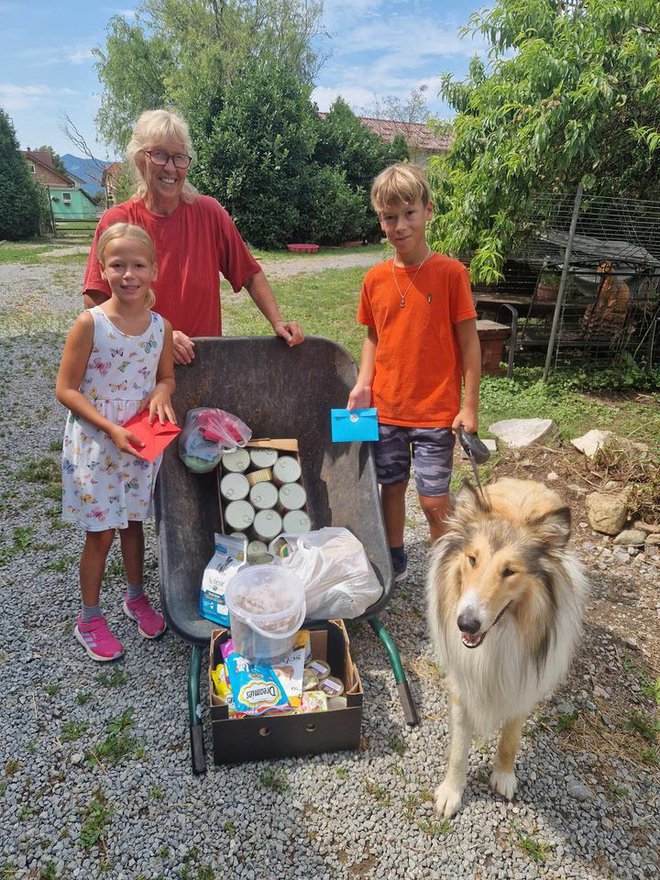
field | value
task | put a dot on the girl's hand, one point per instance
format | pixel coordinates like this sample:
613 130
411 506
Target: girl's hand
359 398
160 404
125 441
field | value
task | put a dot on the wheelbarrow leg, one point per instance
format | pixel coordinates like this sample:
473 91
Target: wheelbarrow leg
409 710
195 713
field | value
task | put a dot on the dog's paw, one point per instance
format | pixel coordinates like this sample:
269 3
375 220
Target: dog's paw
447 800
504 783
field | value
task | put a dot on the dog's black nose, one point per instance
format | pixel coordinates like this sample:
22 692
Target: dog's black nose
468 623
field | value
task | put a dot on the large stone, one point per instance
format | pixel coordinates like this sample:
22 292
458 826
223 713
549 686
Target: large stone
607 513
592 441
630 538
519 433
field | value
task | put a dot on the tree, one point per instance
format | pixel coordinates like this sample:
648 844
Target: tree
174 45
571 94
19 201
58 165
410 112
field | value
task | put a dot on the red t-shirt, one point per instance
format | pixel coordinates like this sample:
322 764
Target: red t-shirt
193 245
417 383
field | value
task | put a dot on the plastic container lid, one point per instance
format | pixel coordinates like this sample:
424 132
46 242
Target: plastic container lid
266 609
292 496
263 495
234 486
238 460
286 469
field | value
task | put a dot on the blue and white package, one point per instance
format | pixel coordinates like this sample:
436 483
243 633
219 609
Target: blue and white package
229 558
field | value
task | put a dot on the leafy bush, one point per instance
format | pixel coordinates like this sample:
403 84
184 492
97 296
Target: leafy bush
19 203
330 210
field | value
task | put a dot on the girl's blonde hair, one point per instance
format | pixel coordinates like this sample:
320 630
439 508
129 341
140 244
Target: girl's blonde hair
127 230
156 127
400 184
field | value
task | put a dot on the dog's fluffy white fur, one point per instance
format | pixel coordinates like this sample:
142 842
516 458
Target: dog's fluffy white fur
505 601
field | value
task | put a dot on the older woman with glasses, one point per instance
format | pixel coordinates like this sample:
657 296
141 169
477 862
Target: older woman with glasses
195 240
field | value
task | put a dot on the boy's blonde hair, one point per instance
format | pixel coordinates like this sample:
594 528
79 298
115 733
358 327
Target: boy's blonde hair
400 184
127 230
158 127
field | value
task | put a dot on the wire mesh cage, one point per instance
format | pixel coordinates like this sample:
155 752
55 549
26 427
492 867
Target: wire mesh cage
609 304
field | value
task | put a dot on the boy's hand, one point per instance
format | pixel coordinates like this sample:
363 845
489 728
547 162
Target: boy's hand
468 418
359 398
125 441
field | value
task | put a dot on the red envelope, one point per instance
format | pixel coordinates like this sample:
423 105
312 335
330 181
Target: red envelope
155 437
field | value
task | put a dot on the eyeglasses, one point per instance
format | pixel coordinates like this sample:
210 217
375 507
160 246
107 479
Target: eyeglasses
161 158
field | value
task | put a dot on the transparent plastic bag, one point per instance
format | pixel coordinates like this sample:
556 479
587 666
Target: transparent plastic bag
207 434
333 566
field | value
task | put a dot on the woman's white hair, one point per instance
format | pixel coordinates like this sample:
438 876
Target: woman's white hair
155 127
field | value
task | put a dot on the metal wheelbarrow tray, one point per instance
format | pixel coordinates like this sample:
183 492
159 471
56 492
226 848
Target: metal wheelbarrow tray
279 392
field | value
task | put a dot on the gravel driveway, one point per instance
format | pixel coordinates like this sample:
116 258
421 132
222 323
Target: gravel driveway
96 779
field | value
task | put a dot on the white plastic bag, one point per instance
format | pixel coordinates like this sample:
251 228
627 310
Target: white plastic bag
332 564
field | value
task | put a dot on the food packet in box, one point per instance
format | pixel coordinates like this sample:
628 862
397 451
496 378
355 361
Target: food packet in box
229 557
256 689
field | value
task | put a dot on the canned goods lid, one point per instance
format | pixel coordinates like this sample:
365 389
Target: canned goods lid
292 496
262 476
237 460
263 458
296 522
332 686
267 524
310 680
234 486
337 703
239 515
286 469
256 547
263 495
320 668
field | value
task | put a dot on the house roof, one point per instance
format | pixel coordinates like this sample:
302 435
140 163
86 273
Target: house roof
43 158
416 134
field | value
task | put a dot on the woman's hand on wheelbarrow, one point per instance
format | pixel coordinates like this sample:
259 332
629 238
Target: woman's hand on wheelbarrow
290 331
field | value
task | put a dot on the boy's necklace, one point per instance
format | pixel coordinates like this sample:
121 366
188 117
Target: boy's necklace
402 296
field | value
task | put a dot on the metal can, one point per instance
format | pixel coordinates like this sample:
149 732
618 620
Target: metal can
265 475
263 457
239 515
267 525
263 496
234 486
332 686
291 496
286 470
255 550
296 522
238 461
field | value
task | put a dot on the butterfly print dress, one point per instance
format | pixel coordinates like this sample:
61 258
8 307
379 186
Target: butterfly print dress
103 488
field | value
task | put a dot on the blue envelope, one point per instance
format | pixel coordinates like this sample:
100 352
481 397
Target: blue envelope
356 424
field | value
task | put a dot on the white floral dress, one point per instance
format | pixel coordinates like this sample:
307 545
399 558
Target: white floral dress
103 488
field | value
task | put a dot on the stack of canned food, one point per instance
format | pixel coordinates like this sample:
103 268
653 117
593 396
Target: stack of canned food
262 497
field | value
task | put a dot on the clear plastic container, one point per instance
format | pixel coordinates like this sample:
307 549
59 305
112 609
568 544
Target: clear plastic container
266 609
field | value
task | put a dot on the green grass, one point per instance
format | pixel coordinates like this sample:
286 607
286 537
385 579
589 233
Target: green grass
119 744
274 780
96 818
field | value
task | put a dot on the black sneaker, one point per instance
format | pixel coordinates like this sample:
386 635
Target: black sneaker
400 567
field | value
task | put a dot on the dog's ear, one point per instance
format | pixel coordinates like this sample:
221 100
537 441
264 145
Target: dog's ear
468 502
554 528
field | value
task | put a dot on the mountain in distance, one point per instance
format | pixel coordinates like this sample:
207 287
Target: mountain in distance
88 170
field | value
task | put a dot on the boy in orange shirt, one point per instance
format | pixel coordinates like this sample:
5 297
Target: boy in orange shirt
421 344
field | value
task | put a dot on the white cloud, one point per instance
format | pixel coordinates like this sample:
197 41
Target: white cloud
48 56
355 96
13 97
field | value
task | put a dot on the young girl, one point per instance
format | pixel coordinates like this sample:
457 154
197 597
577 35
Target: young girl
117 361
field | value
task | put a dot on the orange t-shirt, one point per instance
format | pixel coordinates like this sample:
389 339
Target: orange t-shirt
417 383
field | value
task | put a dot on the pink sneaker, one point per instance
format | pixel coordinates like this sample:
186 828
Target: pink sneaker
97 640
150 622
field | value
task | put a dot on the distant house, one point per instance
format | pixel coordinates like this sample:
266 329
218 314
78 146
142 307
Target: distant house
422 142
67 198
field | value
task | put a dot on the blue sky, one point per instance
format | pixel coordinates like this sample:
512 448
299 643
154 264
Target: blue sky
377 48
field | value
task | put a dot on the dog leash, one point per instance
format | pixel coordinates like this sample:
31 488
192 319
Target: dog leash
477 453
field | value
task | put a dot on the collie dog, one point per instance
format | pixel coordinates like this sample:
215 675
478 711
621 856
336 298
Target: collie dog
505 599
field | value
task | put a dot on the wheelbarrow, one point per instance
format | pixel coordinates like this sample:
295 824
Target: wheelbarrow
278 392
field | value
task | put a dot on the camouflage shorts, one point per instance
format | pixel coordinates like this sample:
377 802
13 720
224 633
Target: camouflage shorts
432 456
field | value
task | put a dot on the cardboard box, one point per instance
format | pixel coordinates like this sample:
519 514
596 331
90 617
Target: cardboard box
286 736
287 446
